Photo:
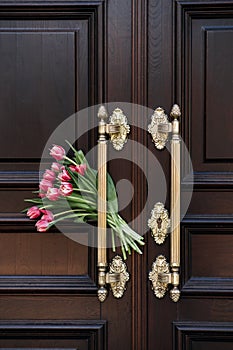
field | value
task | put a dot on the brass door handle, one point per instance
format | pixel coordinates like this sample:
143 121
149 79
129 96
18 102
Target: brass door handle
117 276
162 274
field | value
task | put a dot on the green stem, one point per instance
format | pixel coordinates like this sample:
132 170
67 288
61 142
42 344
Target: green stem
68 217
73 149
81 199
70 160
116 222
113 241
46 206
70 211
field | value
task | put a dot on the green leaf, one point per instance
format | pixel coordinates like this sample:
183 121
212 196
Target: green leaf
80 158
112 200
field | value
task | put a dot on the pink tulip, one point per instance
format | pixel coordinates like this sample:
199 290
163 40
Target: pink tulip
57 152
55 167
73 167
66 189
64 175
80 169
53 194
41 195
42 225
45 185
33 212
49 175
48 215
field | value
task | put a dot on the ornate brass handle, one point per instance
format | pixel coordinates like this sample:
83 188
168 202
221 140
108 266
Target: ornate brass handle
162 275
117 275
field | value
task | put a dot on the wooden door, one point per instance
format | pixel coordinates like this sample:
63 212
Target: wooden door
191 62
58 57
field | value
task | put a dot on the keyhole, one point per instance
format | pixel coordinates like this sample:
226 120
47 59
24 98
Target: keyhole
159 222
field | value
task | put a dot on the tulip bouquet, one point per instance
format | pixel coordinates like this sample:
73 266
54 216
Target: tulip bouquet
72 181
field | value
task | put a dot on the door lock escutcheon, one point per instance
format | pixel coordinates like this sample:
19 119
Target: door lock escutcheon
159 223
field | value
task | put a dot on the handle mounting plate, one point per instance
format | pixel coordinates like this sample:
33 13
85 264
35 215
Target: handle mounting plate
159 267
118 270
117 277
119 136
159 128
161 277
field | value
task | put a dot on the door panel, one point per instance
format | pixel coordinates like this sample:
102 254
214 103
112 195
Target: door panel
207 252
83 335
204 36
203 336
47 75
38 255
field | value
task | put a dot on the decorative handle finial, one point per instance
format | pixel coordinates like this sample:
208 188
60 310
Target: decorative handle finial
102 114
175 112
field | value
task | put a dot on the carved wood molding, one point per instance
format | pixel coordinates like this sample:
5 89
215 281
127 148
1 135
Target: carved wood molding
187 333
50 3
203 285
82 284
12 223
83 334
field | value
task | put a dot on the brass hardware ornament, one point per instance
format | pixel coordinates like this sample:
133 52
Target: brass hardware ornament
159 128
116 278
160 266
119 138
161 277
159 223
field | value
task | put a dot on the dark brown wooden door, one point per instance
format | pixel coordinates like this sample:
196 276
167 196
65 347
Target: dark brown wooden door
58 57
191 62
